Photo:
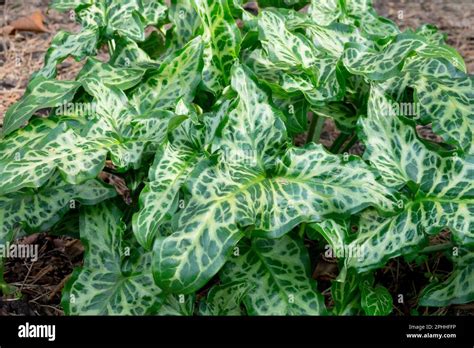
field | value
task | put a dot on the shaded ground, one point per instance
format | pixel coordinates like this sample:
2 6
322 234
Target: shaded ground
39 284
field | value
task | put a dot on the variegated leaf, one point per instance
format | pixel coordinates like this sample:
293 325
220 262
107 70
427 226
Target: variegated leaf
178 305
128 54
37 211
278 276
346 295
333 38
91 16
336 233
343 114
458 288
154 12
308 185
284 48
449 104
31 136
305 185
76 158
222 42
160 197
186 22
375 300
177 78
254 131
294 63
432 34
65 44
362 13
377 66
109 75
225 299
324 12
124 17
110 282
40 94
442 188
64 5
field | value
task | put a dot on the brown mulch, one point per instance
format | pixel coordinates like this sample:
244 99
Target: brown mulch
38 282
454 18
22 52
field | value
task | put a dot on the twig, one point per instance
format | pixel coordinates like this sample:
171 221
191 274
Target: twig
59 287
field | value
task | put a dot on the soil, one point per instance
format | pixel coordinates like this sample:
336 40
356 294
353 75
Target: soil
37 284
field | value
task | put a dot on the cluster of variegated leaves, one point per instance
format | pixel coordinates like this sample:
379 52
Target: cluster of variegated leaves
203 109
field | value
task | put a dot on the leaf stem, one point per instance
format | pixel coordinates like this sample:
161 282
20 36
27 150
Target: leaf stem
436 248
302 229
340 140
348 146
315 129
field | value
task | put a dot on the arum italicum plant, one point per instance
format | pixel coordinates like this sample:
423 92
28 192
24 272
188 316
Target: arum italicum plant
198 114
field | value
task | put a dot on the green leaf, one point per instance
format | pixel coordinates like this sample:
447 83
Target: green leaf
458 288
284 48
346 295
222 42
124 17
224 299
277 272
64 44
40 94
324 12
177 78
296 112
343 114
159 198
128 54
336 233
186 22
282 3
39 210
154 12
449 105
443 193
304 185
254 131
109 75
377 66
110 283
63 5
77 160
375 300
178 305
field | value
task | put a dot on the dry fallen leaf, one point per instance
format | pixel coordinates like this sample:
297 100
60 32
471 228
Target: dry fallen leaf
119 184
33 22
74 248
6 30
